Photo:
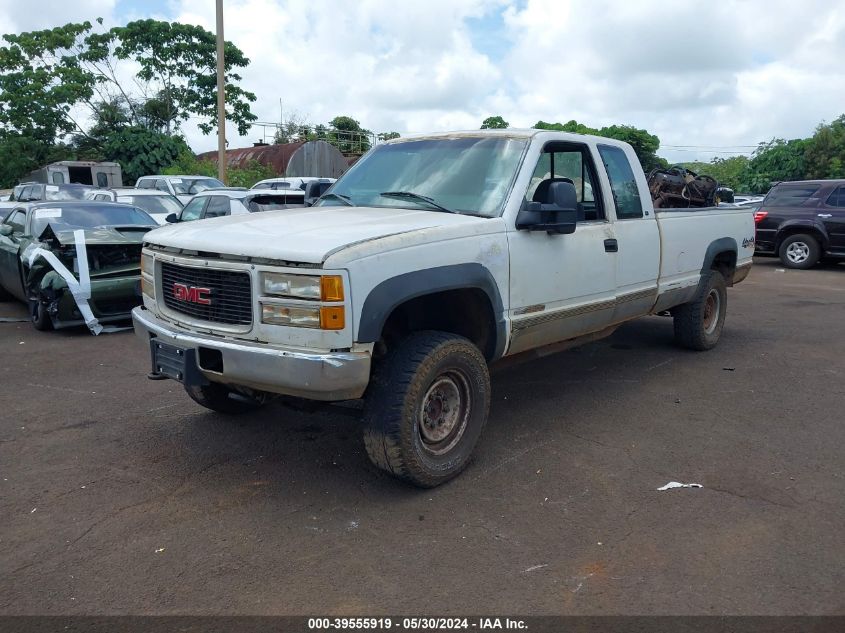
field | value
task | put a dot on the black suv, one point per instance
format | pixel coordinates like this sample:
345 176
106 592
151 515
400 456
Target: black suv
802 222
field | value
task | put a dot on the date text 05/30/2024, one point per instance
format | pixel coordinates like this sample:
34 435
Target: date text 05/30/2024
416 624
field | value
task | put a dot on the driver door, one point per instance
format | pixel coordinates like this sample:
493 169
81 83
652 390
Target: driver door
563 286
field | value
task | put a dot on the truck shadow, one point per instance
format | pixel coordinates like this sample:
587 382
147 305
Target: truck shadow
323 449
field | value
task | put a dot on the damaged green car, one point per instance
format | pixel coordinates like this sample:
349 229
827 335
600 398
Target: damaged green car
73 263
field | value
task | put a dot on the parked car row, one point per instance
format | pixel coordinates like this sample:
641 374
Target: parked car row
73 252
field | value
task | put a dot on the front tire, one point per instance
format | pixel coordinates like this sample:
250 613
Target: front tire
426 408
38 316
220 398
800 251
699 323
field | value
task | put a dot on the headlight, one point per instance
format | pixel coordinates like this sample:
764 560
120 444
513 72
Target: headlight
148 287
298 286
325 288
325 318
147 263
296 316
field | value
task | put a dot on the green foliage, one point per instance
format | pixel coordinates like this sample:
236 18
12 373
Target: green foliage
19 155
774 161
494 123
141 151
387 136
247 176
645 144
729 172
825 153
45 74
48 76
348 136
42 79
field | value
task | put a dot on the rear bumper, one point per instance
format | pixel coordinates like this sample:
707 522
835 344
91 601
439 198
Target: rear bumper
328 377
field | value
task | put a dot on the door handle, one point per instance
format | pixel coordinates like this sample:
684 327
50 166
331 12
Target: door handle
825 215
611 246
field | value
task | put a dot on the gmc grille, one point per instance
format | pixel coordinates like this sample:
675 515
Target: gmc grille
230 293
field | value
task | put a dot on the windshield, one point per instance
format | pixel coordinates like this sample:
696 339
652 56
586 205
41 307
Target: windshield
189 186
471 175
88 217
66 193
153 204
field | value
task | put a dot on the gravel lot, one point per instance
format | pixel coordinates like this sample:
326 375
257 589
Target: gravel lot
120 495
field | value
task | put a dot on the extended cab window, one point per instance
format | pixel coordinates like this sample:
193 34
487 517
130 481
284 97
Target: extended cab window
567 162
626 194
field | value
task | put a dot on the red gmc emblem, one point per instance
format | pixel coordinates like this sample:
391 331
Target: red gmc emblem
192 294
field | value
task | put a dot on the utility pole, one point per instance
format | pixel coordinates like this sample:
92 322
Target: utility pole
221 97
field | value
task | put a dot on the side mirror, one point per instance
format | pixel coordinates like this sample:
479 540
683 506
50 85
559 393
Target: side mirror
559 215
172 218
5 229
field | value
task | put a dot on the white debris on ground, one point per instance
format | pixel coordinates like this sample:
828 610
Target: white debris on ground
678 484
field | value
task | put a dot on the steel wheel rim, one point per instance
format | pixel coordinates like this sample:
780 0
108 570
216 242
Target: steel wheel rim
712 306
797 252
444 412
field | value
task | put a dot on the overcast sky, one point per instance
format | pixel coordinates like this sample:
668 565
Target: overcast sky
707 78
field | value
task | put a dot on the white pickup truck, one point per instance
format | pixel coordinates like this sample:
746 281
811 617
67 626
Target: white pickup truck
433 258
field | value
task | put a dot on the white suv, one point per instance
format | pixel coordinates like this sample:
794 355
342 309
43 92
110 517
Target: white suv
183 187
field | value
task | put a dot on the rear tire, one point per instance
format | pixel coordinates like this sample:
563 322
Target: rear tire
800 251
220 398
699 323
426 408
38 316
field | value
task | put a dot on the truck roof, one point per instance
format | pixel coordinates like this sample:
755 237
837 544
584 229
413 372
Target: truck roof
516 133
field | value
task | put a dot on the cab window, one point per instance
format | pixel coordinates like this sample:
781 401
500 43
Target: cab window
162 186
102 180
218 206
193 209
17 220
58 178
146 183
568 162
626 193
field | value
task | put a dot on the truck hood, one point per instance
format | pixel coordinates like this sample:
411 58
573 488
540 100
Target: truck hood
307 235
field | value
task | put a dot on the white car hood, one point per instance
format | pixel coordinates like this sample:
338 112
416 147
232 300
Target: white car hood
307 235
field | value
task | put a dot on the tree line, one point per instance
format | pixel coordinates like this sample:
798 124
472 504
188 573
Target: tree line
821 156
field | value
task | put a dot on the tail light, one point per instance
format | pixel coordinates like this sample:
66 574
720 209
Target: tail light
759 216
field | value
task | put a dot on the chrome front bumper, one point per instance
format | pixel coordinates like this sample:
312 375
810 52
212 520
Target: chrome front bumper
327 377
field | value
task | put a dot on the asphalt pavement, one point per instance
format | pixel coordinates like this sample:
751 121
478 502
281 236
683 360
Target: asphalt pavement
119 495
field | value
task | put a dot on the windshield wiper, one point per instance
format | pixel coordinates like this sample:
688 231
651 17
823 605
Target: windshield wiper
416 196
344 199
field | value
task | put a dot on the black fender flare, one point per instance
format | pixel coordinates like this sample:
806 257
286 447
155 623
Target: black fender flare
721 245
806 225
393 292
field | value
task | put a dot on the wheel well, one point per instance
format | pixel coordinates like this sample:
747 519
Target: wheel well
725 263
466 312
794 230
